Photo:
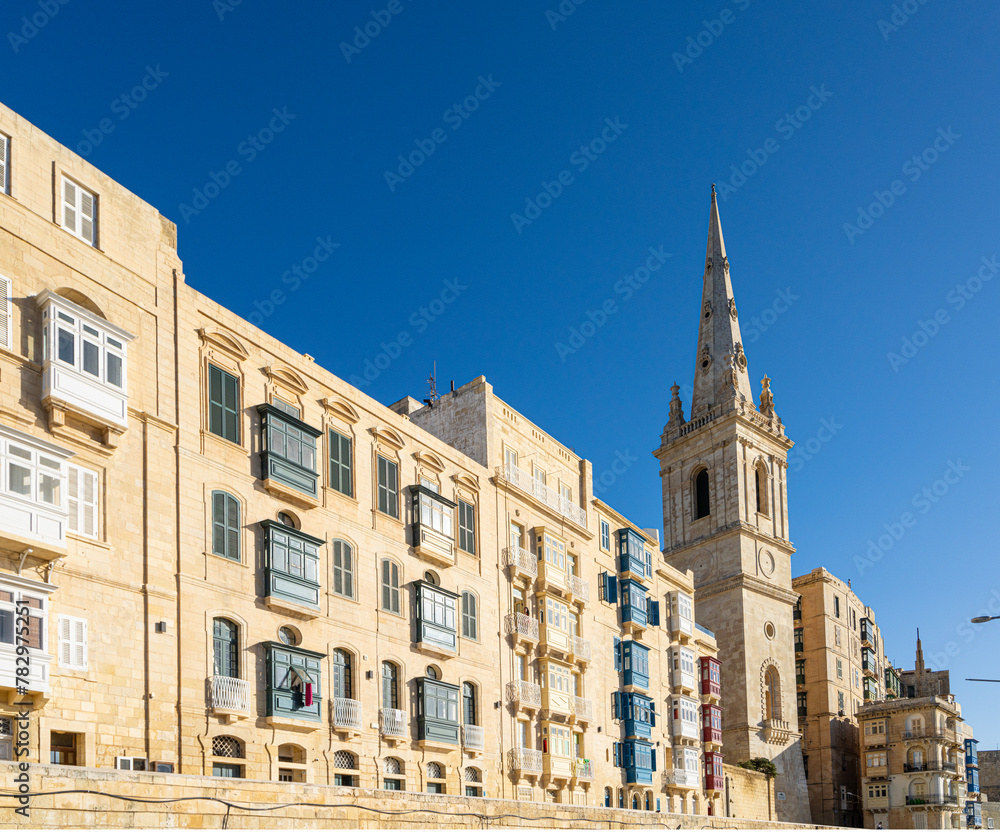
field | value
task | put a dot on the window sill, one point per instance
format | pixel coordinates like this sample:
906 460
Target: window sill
337 496
235 448
294 724
224 559
90 541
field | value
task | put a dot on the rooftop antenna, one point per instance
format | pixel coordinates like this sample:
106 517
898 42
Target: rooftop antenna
432 393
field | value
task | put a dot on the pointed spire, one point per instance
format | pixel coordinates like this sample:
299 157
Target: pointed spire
676 419
720 377
919 665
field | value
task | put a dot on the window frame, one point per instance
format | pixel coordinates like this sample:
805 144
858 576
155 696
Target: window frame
470 615
74 642
387 488
5 154
77 205
224 406
300 566
231 534
77 476
466 526
344 470
347 575
393 588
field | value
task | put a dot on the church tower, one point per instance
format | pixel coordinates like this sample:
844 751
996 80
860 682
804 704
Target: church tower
724 474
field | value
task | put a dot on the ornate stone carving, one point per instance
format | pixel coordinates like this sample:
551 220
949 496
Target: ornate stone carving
740 359
708 309
766 399
706 358
732 308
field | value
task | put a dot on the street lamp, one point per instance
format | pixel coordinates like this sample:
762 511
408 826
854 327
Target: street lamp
982 619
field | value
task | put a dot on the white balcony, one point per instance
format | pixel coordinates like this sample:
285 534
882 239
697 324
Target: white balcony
473 739
681 777
685 680
392 723
524 761
582 709
524 481
580 648
579 589
346 715
522 627
230 697
523 564
526 695
686 729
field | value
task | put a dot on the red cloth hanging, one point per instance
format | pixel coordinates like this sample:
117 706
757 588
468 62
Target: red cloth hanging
309 694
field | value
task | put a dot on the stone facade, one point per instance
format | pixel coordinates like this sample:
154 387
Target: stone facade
840 665
236 565
725 516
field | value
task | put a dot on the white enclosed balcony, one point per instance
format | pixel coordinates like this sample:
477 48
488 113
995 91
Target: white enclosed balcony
681 777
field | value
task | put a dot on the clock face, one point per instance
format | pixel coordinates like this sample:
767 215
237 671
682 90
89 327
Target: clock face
703 566
766 562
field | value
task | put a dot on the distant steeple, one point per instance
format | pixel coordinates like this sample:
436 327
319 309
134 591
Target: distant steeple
720 375
919 665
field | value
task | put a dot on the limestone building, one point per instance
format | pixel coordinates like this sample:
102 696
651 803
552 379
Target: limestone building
231 563
725 516
840 665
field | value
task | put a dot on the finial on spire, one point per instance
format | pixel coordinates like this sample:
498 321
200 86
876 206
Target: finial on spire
713 189
766 398
676 419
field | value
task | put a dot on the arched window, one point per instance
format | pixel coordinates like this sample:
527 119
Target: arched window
393 765
390 685
607 797
635 801
702 506
342 674
226 648
390 586
225 525
227 747
469 715
760 487
621 798
470 621
772 694
345 759
343 568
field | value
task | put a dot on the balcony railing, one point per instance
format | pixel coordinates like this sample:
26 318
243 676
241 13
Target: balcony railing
583 770
346 713
681 777
521 626
473 737
524 563
908 767
580 648
524 694
525 760
392 722
540 491
579 588
229 694
583 709
931 800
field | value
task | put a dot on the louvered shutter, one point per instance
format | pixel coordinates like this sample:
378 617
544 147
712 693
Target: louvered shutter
79 639
618 653
617 701
4 165
87 205
232 527
6 310
652 714
618 754
653 613
69 205
610 588
653 752
65 641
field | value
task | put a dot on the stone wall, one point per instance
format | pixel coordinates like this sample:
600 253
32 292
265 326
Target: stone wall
748 795
989 774
92 798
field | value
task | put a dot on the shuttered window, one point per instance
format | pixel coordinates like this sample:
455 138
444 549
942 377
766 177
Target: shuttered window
225 525
343 568
223 404
79 214
82 500
4 164
72 643
388 487
340 464
466 527
6 313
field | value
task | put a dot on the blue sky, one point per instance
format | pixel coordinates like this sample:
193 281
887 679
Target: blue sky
622 118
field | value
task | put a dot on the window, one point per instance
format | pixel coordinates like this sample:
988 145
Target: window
79 212
470 625
836 605
293 682
4 164
63 749
606 546
226 770
227 747
341 462
840 668
223 404
343 569
288 453
466 527
510 457
840 701
292 564
760 488
286 635
286 407
469 715
82 500
390 586
13 602
802 704
72 643
225 639
388 487
286 518
342 674
390 685
540 477
225 525
6 738
436 614
702 507
6 311
772 694
130 763
437 711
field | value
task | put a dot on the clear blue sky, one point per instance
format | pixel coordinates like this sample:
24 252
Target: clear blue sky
849 295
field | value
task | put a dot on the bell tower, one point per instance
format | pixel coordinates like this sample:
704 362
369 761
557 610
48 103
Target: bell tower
724 478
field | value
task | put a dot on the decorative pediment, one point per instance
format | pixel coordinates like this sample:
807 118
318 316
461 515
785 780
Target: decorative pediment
466 481
388 436
338 407
225 341
429 460
287 377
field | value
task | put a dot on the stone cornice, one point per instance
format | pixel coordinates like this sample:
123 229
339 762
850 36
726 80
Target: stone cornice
727 531
750 583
